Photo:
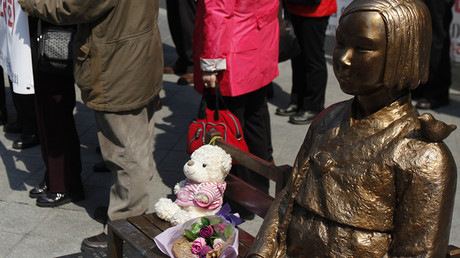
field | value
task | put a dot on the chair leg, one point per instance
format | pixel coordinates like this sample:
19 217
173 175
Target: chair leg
114 245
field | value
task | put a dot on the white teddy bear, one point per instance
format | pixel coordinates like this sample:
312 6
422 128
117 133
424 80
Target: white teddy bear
201 193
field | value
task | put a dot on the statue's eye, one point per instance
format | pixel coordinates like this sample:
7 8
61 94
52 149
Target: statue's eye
204 165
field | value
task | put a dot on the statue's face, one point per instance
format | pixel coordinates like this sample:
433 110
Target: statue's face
359 53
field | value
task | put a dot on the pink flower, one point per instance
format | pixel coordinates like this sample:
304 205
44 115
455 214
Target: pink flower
218 242
219 228
206 232
204 251
198 245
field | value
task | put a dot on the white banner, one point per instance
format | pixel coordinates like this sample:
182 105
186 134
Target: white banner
455 33
15 55
454 29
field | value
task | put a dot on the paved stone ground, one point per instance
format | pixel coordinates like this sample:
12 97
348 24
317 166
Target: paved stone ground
29 231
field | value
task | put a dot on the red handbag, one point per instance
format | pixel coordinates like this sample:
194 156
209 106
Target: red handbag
220 120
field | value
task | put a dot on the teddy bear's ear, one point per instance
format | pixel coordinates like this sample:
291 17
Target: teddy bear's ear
226 162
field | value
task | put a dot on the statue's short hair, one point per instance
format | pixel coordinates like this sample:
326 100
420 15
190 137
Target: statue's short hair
408 34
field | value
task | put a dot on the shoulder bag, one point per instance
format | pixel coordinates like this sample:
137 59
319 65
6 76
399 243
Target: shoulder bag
55 47
288 45
220 120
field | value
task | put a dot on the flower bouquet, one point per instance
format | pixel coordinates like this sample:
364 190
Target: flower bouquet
211 236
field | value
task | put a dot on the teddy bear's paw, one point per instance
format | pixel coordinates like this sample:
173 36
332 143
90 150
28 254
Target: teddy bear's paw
180 217
165 208
179 186
202 198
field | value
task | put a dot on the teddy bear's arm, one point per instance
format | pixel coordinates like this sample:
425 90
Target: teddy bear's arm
179 186
209 195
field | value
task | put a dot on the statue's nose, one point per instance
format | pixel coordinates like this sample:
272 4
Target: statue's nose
190 163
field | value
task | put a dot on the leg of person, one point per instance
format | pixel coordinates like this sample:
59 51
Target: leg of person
28 121
126 140
299 70
181 21
299 66
250 110
310 74
266 115
14 127
298 82
435 92
3 110
60 144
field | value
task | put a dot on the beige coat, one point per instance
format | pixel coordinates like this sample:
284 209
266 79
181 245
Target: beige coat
118 53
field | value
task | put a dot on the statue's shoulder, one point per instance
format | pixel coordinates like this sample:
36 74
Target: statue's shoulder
425 157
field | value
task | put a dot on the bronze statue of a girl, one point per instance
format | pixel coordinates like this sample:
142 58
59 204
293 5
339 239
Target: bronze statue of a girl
373 177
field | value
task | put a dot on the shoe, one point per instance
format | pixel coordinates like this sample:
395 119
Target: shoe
12 128
38 190
94 242
291 109
26 141
100 214
169 70
185 79
303 117
100 167
428 103
57 199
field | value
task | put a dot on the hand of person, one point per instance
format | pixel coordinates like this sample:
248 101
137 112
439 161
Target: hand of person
209 79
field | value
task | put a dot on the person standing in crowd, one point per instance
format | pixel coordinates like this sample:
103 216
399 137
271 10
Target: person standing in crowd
118 65
309 71
3 110
435 93
60 145
236 45
181 20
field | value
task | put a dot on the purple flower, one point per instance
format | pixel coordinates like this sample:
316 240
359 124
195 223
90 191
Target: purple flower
204 251
206 232
218 242
198 245
219 228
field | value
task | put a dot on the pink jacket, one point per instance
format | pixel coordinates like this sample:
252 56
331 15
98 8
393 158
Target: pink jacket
240 37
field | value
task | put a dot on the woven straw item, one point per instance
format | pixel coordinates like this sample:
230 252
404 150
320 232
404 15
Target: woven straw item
182 248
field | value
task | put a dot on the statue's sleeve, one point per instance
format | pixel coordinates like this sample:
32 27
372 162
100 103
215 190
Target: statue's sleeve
266 242
425 185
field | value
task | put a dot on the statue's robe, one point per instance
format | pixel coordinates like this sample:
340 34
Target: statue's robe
373 187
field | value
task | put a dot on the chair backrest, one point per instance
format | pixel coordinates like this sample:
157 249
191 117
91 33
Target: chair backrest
243 193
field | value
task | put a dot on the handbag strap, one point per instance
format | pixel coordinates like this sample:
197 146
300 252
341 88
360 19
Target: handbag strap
220 103
285 11
39 28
